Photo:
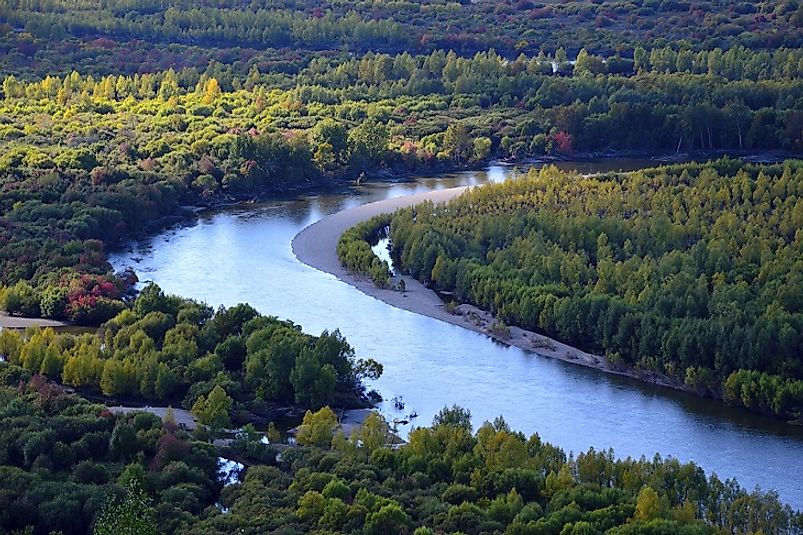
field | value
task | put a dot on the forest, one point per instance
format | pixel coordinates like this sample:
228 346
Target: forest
69 466
121 117
692 271
38 36
176 350
89 161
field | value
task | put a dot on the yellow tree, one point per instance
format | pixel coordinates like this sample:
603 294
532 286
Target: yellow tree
317 428
211 91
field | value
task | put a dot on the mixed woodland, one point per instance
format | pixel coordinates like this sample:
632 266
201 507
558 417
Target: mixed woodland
118 117
173 350
114 36
71 467
88 161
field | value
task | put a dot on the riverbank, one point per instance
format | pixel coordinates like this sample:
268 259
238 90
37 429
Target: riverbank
187 212
21 322
316 246
350 419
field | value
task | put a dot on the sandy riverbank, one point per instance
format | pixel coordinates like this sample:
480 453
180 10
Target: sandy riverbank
20 322
316 246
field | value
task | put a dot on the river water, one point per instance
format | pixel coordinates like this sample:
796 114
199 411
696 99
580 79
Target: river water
243 254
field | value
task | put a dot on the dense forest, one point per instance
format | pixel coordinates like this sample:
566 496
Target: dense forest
69 466
124 36
693 271
62 459
114 115
118 117
171 349
88 161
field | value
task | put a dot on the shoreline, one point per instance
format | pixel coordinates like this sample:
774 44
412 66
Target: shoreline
316 246
7 321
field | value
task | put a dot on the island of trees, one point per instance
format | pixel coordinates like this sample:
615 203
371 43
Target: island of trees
692 271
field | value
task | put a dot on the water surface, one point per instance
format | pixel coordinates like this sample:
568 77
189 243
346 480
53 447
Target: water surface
243 254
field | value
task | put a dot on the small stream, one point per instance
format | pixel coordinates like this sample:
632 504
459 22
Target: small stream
231 472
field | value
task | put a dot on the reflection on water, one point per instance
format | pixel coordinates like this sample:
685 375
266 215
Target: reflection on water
382 252
243 254
229 471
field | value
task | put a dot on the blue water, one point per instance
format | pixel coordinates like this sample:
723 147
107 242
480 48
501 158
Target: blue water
243 254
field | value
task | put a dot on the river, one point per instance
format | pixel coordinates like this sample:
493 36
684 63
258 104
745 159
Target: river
243 254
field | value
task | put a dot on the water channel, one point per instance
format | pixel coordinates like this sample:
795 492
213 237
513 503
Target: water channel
243 254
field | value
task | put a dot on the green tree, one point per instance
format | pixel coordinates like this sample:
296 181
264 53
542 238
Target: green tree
457 143
214 410
648 505
332 134
21 298
114 380
123 443
588 64
53 302
130 516
373 434
453 416
390 519
482 148
368 144
313 382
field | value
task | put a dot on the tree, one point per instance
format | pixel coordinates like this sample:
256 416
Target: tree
334 136
21 298
457 143
648 505
53 302
114 380
230 321
482 148
10 345
369 369
166 381
123 442
211 91
272 434
231 353
563 142
317 428
390 519
373 433
151 299
368 144
130 516
561 480
314 383
52 363
588 64
454 416
311 506
213 410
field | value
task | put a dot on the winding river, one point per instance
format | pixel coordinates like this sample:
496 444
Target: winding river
243 254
